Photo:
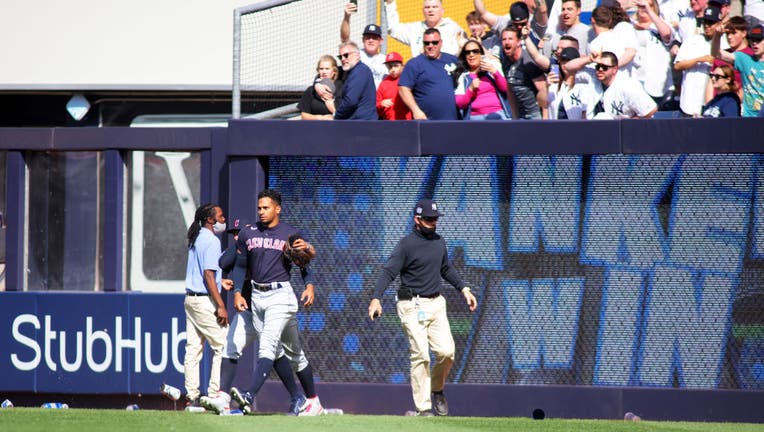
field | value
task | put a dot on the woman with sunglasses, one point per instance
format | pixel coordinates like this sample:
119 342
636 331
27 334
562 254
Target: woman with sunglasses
481 88
726 103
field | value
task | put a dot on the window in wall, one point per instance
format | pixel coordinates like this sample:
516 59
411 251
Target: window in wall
65 237
164 192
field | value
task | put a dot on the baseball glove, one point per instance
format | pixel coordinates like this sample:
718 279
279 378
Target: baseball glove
300 257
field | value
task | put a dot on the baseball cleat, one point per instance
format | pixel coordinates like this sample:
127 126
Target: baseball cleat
245 400
312 407
218 403
439 403
296 406
232 412
425 413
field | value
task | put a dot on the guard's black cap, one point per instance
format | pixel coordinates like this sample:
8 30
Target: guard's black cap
427 208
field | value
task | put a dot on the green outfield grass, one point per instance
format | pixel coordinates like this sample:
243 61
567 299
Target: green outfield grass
79 420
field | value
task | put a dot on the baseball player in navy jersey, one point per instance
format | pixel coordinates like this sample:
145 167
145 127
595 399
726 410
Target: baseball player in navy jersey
242 332
273 304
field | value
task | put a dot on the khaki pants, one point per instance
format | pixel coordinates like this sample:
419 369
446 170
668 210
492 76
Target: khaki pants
433 332
201 326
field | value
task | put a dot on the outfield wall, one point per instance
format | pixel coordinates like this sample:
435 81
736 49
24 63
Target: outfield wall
618 265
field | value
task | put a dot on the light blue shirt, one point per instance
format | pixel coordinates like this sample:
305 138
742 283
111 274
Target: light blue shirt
204 255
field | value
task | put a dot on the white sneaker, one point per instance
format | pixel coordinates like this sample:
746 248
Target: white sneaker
312 407
219 403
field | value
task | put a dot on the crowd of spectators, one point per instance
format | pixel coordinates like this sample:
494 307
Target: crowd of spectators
692 58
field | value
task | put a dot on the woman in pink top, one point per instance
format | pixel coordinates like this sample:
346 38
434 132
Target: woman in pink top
481 89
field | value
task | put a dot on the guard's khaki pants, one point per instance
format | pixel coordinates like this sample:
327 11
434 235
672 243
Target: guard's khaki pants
424 332
201 326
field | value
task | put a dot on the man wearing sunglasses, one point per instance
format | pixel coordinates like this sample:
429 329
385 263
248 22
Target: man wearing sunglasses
623 96
421 259
359 95
426 85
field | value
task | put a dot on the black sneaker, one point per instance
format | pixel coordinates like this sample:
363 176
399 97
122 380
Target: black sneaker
439 403
194 405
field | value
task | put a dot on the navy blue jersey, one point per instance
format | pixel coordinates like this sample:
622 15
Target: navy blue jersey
264 250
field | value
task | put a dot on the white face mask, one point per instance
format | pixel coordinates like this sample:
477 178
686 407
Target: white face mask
218 228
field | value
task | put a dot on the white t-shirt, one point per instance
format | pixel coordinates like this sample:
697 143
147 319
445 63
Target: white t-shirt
411 34
625 98
377 65
582 32
694 79
652 64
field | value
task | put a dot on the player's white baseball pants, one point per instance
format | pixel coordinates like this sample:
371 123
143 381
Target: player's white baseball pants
242 332
431 330
201 326
274 318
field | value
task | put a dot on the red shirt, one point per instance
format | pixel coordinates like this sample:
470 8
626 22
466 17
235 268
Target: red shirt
388 89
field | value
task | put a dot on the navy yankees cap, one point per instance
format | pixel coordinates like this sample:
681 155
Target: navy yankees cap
519 11
426 208
236 224
712 14
372 29
569 53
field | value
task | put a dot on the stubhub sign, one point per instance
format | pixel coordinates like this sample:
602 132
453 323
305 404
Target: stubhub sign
92 342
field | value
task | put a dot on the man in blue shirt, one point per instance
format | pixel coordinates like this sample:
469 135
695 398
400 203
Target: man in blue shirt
206 315
359 95
426 85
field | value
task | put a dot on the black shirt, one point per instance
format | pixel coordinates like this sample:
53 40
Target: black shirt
520 78
311 103
421 261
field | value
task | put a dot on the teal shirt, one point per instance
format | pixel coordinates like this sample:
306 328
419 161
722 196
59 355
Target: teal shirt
752 74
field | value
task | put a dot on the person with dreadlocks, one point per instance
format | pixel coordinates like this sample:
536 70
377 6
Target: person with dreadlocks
206 315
